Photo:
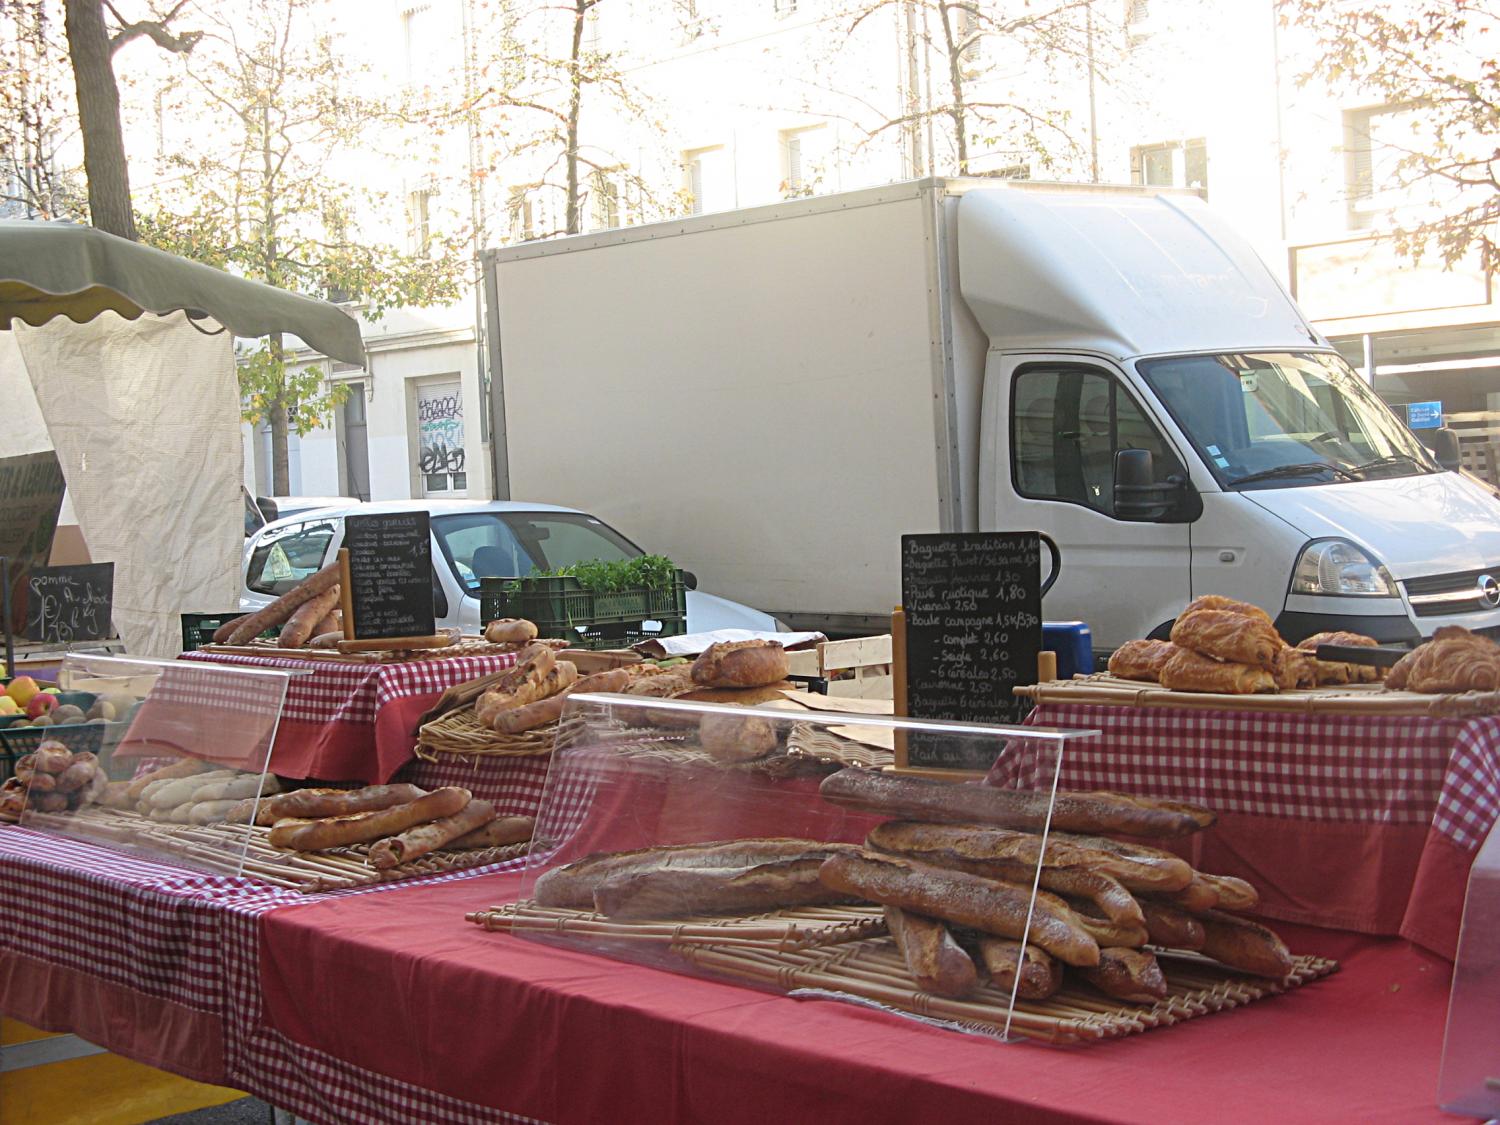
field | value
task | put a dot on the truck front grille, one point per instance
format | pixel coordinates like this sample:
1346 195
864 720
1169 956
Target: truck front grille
1443 595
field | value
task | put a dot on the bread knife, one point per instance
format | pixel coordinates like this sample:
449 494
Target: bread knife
1361 654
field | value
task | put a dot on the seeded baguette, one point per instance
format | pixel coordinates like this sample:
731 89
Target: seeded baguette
1041 975
673 892
1244 945
417 842
1128 974
935 960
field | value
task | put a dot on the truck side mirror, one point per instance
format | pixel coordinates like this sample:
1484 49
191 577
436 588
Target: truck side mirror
1140 497
1445 447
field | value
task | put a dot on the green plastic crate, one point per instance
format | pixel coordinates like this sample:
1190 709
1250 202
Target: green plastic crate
198 628
77 737
561 607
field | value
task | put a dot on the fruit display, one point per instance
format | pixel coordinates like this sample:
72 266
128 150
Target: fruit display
52 779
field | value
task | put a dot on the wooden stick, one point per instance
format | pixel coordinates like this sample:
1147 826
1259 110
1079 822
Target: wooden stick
346 594
898 680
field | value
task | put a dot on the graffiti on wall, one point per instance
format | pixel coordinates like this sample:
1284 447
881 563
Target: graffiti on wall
440 429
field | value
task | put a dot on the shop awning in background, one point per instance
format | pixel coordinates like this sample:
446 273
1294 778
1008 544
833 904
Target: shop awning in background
50 269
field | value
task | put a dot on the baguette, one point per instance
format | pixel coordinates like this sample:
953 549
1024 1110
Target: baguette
1170 925
936 962
234 788
357 828
184 767
998 853
417 842
254 624
226 630
302 625
519 686
922 799
498 833
210 812
968 900
550 710
1138 867
180 791
1128 974
1041 975
672 892
1197 897
573 884
1244 945
1233 894
314 803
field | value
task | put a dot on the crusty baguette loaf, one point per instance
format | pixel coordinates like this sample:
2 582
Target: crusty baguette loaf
498 833
548 708
1041 975
314 803
1170 925
418 841
1232 893
1197 897
1128 974
1000 853
1138 867
510 631
674 892
573 884
521 685
302 625
936 962
741 664
1109 935
968 900
357 828
1244 945
268 617
918 798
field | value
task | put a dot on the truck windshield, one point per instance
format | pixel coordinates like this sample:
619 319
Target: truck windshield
1284 419
512 544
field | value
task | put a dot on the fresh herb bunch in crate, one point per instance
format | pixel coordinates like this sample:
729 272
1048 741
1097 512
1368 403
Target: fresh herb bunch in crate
609 601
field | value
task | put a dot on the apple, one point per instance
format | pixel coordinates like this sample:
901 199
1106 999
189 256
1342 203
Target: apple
52 690
40 704
21 689
8 706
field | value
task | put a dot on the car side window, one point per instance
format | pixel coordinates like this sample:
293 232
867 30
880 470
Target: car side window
286 556
1067 424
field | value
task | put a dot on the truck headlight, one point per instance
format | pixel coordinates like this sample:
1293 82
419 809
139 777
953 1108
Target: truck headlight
1337 567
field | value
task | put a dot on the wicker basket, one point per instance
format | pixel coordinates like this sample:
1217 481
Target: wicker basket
461 732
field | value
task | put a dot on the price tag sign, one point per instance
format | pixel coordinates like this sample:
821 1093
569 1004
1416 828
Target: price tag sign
390 567
973 613
70 603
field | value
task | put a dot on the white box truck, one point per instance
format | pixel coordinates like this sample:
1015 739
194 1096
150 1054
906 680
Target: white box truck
775 395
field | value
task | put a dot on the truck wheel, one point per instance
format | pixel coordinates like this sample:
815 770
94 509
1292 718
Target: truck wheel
1162 632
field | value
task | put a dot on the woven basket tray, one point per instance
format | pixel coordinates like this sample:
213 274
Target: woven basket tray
822 745
461 732
216 847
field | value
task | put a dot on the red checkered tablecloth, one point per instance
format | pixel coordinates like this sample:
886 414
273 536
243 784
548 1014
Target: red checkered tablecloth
162 964
355 721
1360 822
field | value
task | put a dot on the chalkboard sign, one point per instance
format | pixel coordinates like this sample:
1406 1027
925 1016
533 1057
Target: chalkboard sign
70 603
390 563
973 612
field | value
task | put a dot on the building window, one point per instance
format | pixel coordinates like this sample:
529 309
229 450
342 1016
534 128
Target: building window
1174 164
1376 140
419 221
591 40
691 24
966 38
605 197
417 40
705 180
522 213
440 438
783 8
1137 20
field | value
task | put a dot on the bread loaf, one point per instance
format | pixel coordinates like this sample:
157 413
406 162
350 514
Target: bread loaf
675 892
736 738
417 841
1002 959
309 803
1128 974
1244 945
356 828
967 900
510 631
741 664
937 963
1170 925
1229 636
302 625
268 617
922 799
1187 670
501 832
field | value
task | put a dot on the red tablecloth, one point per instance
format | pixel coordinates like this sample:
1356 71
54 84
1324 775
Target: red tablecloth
398 984
1361 823
356 721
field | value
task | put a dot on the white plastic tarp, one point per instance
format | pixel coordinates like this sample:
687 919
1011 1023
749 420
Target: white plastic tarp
144 415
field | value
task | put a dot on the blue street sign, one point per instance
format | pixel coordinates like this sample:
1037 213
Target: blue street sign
1424 415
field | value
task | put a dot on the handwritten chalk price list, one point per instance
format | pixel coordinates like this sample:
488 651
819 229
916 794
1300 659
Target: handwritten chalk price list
973 607
70 603
390 563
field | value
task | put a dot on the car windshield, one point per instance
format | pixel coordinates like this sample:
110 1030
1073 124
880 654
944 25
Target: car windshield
1277 420
513 544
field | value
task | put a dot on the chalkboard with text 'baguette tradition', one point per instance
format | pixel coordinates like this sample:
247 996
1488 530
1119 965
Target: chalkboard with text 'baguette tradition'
390 567
973 613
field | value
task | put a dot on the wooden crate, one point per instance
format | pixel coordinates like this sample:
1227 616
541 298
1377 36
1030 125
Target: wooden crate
855 669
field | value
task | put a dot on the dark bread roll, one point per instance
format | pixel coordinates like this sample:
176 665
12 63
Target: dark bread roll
741 664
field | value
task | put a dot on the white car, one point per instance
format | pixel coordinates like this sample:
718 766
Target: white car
470 539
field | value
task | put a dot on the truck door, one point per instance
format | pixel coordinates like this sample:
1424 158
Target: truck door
1066 421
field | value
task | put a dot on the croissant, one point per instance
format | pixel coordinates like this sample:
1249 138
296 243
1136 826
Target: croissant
1294 668
1214 601
1187 670
1338 672
1225 635
1140 660
1454 660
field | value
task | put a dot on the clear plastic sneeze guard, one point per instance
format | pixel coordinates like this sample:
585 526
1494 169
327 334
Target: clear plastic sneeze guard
174 771
1469 1082
766 846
